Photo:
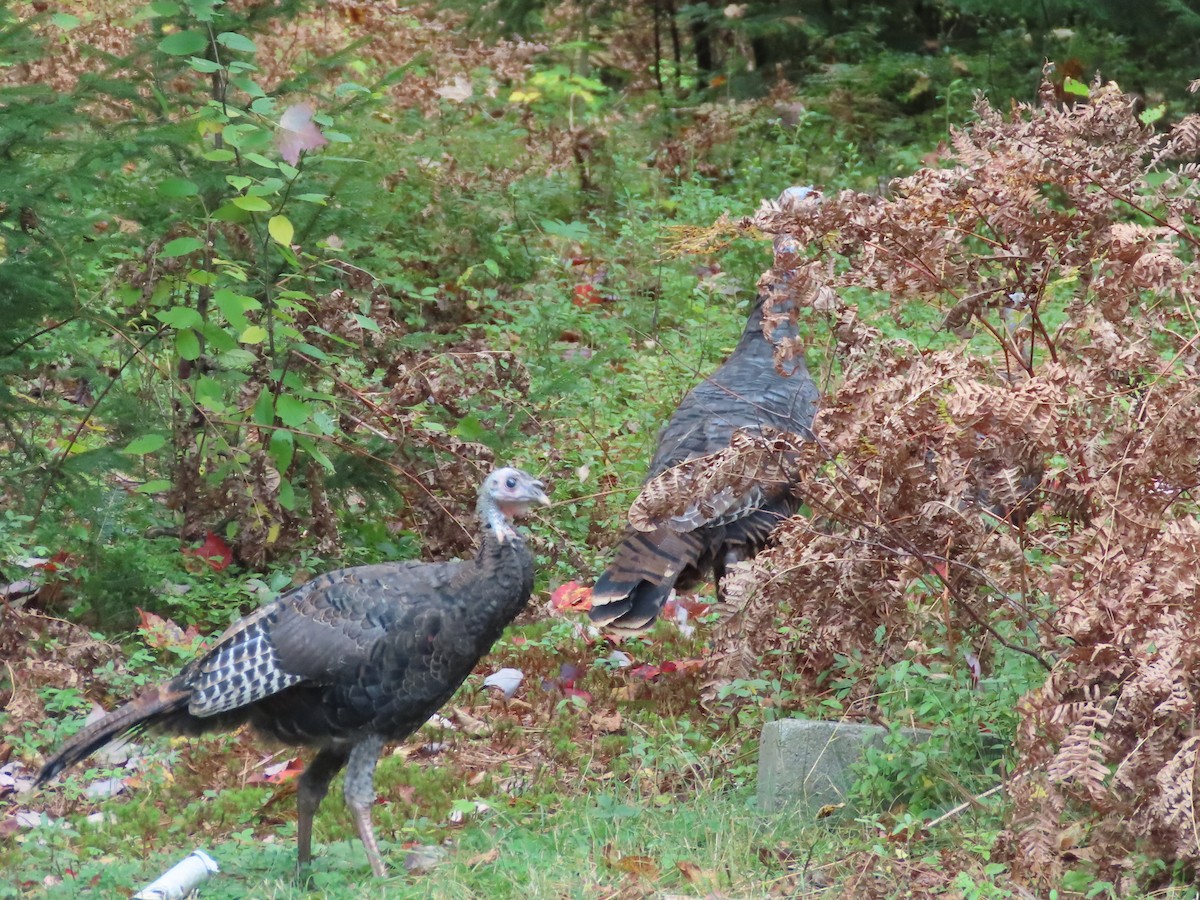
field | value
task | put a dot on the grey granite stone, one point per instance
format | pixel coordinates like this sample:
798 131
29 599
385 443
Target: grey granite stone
808 763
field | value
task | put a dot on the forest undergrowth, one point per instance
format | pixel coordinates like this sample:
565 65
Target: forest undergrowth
280 284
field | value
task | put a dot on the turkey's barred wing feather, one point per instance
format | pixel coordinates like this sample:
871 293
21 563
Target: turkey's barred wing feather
321 632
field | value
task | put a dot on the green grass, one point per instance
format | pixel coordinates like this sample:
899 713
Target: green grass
588 840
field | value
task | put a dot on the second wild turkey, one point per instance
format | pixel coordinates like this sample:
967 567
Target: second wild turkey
347 662
748 392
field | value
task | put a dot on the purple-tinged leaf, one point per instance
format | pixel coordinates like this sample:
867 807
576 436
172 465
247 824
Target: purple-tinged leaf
298 133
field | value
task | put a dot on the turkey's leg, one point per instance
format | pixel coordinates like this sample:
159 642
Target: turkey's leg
733 555
360 795
311 790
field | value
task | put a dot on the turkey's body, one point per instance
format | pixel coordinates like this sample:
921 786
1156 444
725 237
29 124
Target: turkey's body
353 659
747 392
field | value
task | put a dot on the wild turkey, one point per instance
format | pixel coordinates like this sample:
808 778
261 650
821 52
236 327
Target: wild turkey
747 392
353 659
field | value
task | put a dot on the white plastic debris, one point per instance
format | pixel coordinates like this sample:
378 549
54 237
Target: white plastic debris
27 818
621 659
105 787
181 879
681 621
506 681
458 815
793 196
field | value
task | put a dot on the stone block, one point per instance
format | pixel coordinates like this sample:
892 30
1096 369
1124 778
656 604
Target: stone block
809 763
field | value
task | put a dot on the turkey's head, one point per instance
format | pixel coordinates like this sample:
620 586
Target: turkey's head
508 493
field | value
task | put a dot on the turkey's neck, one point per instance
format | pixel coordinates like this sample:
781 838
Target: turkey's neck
507 565
753 338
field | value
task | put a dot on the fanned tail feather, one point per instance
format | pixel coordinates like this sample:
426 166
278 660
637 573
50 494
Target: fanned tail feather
157 706
634 588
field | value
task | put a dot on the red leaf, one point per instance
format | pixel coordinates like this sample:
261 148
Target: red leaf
575 692
586 295
213 551
572 597
689 602
55 562
683 665
278 773
694 606
647 671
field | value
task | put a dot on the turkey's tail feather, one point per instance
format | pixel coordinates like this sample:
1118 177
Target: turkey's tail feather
155 707
634 588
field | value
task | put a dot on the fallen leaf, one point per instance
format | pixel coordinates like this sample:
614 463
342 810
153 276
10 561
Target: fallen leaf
693 874
483 859
278 773
643 866
458 90
683 665
214 552
681 609
607 723
471 725
571 597
586 295
163 633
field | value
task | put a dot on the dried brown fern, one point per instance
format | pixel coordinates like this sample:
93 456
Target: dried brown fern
1038 464
704 489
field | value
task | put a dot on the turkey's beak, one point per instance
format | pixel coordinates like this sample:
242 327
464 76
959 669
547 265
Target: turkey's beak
539 496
